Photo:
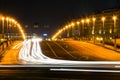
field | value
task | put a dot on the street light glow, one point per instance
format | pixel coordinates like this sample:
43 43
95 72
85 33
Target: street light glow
114 17
78 22
7 18
73 24
3 18
82 21
66 27
87 20
103 19
93 19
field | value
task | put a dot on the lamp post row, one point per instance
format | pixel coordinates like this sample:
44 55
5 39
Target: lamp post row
8 32
81 29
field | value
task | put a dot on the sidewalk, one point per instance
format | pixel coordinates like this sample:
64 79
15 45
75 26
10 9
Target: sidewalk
105 46
89 49
10 55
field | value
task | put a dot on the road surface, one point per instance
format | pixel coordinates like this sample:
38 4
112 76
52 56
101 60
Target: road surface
62 50
10 55
95 51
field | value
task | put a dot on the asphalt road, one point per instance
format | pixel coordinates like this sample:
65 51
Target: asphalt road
62 50
59 50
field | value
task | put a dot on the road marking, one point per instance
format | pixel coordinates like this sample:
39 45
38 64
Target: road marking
65 50
52 50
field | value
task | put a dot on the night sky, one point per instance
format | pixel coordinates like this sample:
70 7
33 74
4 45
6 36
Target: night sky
52 13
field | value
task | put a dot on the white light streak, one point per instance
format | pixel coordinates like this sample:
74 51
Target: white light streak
31 53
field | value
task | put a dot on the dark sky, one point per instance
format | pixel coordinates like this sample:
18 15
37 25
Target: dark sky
51 12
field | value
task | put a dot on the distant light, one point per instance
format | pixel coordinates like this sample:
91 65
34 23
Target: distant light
49 39
45 34
99 38
36 39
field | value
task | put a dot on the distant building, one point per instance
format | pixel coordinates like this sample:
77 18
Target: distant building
104 24
109 26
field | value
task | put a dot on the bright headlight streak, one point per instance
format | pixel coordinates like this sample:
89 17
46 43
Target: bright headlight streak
34 55
24 52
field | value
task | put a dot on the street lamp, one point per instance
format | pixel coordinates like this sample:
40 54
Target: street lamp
12 29
72 27
78 27
7 30
93 29
82 21
3 27
114 19
87 21
2 32
103 20
67 28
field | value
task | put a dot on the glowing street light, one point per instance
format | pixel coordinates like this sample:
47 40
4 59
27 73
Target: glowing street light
78 23
82 21
103 20
114 19
7 29
3 27
3 31
67 28
93 28
7 26
88 21
72 28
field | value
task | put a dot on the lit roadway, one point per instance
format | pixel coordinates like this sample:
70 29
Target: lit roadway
10 56
31 63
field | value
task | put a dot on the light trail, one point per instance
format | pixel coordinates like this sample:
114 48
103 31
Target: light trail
18 45
31 53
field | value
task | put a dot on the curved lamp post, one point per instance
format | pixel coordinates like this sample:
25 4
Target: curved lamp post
114 19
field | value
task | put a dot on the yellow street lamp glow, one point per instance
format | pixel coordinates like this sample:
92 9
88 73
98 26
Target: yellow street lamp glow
82 21
17 24
87 20
78 22
114 17
93 19
3 18
66 27
7 18
103 19
69 25
72 24
10 19
13 20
